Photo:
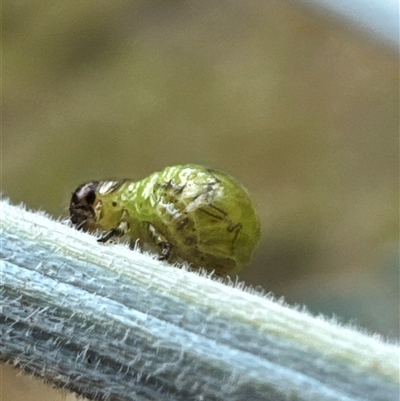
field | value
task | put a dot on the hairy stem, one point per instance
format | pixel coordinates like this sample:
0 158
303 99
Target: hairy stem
114 324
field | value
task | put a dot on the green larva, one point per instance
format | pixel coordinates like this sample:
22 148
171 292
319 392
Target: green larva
184 213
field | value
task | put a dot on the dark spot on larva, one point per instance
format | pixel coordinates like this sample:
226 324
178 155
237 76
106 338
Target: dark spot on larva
210 213
190 241
218 209
182 224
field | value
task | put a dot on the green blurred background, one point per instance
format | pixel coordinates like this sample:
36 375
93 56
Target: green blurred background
303 113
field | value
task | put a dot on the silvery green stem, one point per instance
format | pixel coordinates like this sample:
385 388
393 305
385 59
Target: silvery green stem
111 323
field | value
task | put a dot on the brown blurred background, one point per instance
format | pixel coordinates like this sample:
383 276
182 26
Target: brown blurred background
303 112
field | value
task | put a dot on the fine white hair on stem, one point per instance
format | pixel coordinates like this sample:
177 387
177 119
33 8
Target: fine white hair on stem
112 323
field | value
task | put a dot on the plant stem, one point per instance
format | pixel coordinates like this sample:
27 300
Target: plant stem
114 324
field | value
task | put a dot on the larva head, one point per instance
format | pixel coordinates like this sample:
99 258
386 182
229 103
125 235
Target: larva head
96 205
82 203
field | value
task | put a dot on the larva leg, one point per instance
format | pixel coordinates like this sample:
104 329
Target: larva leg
161 242
118 232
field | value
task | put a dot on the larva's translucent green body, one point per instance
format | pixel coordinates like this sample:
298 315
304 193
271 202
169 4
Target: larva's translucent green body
185 213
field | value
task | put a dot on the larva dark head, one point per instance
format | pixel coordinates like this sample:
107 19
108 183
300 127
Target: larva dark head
81 207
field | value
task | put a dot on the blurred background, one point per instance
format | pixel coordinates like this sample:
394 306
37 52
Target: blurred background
300 107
